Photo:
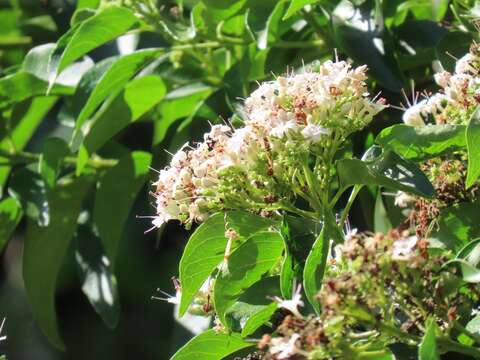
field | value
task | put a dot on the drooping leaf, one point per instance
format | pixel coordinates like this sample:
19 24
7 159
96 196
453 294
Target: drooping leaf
36 63
254 307
54 150
424 142
30 190
116 192
105 25
316 262
473 147
107 79
135 100
22 86
96 275
206 248
245 266
44 250
211 346
24 120
384 168
10 215
427 350
297 5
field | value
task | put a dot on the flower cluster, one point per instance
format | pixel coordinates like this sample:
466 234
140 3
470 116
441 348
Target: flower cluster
381 291
457 99
263 166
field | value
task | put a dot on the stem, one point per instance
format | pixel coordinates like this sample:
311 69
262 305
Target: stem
372 354
447 344
351 199
317 205
23 157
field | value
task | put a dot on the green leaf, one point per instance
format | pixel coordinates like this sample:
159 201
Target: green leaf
22 86
366 40
126 178
470 273
317 259
471 252
139 96
44 250
299 235
29 189
422 143
211 345
245 266
297 5
10 215
180 103
206 248
384 168
254 307
54 151
24 120
92 4
457 225
96 276
474 325
473 148
427 350
36 63
264 21
106 25
107 79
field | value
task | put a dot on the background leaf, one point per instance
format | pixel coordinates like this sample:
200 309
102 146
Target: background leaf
10 215
44 251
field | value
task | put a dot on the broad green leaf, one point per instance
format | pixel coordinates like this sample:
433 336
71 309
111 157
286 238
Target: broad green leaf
425 9
180 103
54 150
138 97
96 276
219 10
10 215
254 307
111 210
457 225
206 248
299 235
424 142
44 250
107 79
427 350
36 63
473 147
471 252
384 168
92 4
245 266
264 20
367 41
470 273
297 5
24 120
316 262
211 345
30 190
22 86
109 23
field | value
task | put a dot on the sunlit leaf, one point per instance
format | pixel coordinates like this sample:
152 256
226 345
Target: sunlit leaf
10 215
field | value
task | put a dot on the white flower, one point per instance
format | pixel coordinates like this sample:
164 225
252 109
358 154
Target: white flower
292 304
314 133
283 349
402 199
403 248
464 65
413 116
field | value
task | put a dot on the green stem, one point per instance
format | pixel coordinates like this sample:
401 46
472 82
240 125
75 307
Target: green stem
316 203
447 345
23 157
351 199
